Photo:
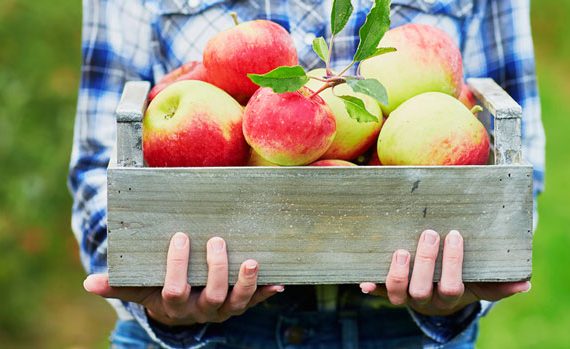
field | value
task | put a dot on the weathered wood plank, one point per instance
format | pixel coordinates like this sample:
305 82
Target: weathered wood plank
507 120
318 225
129 114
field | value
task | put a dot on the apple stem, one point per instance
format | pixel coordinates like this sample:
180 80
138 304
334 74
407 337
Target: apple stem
476 109
328 62
316 78
235 18
331 83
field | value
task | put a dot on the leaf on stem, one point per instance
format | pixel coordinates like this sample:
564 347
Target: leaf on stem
282 79
369 87
381 50
321 49
376 25
341 11
356 109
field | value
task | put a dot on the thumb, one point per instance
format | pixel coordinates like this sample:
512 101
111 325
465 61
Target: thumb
99 284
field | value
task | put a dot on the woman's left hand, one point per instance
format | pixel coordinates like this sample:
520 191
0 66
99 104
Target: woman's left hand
451 294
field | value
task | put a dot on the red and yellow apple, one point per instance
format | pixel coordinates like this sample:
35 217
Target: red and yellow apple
192 70
332 162
433 129
467 97
426 60
250 47
193 123
257 160
289 129
352 138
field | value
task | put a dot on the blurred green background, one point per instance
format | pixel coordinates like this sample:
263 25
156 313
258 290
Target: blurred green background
43 303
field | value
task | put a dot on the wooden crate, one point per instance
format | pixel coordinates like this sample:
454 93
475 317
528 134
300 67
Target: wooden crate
319 225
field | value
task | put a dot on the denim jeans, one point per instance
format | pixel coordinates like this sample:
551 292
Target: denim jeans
260 328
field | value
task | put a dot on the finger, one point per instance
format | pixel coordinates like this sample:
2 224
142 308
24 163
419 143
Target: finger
243 290
216 290
176 289
373 289
397 279
495 291
263 293
99 284
450 287
368 287
421 283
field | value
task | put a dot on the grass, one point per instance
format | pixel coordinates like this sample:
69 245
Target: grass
45 306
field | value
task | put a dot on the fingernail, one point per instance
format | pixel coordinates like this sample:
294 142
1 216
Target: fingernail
86 284
430 237
217 244
250 268
454 238
363 290
529 286
180 240
280 288
402 257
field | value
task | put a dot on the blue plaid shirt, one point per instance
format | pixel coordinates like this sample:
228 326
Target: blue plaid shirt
142 40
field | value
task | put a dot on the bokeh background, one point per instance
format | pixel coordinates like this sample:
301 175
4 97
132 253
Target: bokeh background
42 302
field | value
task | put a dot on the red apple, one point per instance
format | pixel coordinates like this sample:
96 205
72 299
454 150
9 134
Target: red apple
331 162
192 70
467 97
374 159
289 129
250 47
257 160
193 123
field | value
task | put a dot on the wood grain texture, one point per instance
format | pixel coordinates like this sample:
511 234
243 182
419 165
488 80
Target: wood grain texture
507 119
129 114
310 225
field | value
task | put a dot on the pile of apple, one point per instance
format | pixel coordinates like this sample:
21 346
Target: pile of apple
210 113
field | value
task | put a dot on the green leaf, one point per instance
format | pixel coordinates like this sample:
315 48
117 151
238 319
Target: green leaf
320 47
380 51
341 11
356 109
282 79
369 87
376 25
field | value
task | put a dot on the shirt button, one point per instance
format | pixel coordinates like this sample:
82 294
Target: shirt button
193 3
309 38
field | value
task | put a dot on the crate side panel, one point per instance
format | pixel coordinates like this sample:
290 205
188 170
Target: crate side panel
318 225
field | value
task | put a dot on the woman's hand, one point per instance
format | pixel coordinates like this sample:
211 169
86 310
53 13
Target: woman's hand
451 294
177 303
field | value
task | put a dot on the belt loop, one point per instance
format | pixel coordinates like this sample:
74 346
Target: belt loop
349 324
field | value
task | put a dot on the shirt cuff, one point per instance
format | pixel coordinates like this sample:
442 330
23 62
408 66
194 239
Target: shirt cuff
170 337
443 329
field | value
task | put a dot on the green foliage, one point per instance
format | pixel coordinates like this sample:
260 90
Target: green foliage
357 110
376 25
340 14
320 47
282 79
369 87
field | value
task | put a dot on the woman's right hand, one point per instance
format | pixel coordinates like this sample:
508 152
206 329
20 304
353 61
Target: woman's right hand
176 303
